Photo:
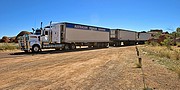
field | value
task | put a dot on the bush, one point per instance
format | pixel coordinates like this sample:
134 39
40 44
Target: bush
165 53
176 55
153 43
162 51
167 43
8 46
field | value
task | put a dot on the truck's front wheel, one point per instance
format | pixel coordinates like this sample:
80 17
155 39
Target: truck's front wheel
35 48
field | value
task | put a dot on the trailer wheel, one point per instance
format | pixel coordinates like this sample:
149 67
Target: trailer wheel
89 46
73 46
106 45
66 47
35 48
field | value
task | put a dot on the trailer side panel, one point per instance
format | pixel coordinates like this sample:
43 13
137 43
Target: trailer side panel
144 36
79 35
126 35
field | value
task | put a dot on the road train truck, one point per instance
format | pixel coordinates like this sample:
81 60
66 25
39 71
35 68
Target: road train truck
65 36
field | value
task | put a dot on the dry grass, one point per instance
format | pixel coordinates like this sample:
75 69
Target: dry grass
105 69
138 65
8 46
163 52
167 57
177 70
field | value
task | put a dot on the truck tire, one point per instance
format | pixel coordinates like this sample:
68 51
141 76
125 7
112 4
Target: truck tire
73 46
35 49
66 47
106 45
89 46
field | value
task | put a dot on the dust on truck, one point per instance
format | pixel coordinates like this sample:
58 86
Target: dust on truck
65 36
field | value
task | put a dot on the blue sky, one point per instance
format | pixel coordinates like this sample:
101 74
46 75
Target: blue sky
137 15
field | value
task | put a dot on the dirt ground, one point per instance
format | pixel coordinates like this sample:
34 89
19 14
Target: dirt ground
99 69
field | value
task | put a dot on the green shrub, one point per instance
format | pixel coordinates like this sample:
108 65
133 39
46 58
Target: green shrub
153 43
146 43
176 55
167 43
165 53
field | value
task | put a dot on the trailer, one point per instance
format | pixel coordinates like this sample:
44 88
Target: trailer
120 37
142 37
65 36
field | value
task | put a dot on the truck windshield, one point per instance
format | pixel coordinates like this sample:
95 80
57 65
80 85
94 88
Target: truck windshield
38 32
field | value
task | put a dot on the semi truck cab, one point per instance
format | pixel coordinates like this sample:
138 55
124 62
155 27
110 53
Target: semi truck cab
44 38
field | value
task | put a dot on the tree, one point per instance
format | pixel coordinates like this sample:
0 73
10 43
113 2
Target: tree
157 35
167 42
178 32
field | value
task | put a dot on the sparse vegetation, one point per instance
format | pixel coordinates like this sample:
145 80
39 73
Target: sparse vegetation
147 88
163 52
167 43
154 43
167 57
8 46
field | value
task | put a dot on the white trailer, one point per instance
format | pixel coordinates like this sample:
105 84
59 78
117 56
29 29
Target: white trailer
119 36
126 35
65 36
143 36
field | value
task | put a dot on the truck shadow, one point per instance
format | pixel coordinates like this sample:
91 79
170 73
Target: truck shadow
54 51
63 51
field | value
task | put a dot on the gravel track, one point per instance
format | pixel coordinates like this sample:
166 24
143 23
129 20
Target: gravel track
106 69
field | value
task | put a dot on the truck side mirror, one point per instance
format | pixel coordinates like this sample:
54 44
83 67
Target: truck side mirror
33 30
